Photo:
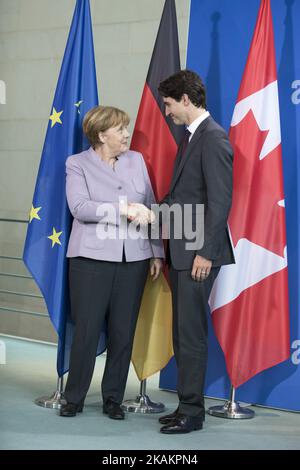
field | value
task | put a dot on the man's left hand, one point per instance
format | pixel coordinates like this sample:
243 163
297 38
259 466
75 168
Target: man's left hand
201 268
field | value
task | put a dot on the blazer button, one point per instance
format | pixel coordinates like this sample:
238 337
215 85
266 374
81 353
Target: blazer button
119 187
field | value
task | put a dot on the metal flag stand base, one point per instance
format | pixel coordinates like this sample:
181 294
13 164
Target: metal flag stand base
56 400
231 409
142 403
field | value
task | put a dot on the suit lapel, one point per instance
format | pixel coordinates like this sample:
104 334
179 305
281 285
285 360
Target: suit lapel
182 159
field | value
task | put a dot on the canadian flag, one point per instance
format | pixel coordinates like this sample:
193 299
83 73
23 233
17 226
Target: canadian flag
249 300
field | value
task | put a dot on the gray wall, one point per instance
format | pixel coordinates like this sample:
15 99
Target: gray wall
33 36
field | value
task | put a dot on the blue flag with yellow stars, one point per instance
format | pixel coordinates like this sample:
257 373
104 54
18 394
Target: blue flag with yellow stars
50 220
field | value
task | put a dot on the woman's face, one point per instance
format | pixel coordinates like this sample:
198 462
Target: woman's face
115 139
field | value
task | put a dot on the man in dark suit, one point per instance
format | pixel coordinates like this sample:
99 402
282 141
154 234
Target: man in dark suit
202 176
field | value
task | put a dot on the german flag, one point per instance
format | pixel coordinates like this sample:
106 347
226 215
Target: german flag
157 138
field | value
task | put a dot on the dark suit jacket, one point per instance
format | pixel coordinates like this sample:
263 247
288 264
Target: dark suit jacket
203 175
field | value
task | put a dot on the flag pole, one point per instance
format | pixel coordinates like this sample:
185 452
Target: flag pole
76 93
155 319
142 403
231 409
56 400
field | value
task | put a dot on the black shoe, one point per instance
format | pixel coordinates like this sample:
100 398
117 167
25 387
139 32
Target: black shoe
70 409
168 418
183 424
113 410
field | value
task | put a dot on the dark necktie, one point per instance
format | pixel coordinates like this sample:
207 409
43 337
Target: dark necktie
183 146
182 149
185 141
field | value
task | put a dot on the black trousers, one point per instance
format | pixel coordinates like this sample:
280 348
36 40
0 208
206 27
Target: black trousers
100 289
190 330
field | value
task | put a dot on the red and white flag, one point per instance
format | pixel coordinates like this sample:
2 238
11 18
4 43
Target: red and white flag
249 300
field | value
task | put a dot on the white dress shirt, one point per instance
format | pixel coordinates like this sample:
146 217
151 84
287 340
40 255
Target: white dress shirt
196 123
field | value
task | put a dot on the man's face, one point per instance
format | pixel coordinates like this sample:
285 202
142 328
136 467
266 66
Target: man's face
175 109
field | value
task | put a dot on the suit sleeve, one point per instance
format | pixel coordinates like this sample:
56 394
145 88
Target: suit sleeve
80 204
217 158
156 243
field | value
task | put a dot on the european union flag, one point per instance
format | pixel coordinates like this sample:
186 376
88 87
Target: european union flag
50 219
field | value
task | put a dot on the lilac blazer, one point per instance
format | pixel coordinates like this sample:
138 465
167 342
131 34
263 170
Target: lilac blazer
94 190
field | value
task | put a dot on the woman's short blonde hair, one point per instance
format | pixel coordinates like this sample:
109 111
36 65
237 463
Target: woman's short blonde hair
101 118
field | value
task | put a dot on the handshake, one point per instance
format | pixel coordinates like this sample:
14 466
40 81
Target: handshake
137 213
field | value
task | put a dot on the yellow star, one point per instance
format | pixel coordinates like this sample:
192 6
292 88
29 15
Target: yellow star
55 237
55 117
34 213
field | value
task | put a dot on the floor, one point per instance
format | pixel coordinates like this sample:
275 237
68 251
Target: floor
30 372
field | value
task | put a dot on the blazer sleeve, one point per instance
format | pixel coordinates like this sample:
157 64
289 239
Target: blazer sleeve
217 159
80 204
156 243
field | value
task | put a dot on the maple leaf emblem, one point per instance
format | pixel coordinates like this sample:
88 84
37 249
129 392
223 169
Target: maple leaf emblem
256 212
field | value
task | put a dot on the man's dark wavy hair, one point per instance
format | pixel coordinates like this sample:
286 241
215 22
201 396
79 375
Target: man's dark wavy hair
184 82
